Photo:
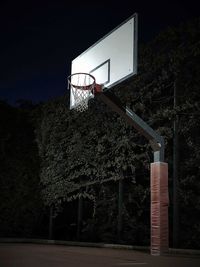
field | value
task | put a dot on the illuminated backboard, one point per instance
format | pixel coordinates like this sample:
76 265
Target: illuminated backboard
112 59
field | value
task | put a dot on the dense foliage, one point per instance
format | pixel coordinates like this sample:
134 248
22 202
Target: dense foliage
21 208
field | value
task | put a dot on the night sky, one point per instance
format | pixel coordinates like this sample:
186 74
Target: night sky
40 38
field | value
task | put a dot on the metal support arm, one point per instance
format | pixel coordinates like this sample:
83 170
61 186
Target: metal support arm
156 141
159 174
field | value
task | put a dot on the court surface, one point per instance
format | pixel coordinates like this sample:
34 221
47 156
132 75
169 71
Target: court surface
33 255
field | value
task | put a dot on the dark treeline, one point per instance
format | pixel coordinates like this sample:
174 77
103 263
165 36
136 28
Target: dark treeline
85 176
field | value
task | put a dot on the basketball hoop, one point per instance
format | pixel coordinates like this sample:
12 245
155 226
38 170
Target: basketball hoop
83 88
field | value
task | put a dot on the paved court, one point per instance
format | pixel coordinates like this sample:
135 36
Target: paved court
32 255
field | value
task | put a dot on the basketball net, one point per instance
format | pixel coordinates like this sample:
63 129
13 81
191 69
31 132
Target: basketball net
82 87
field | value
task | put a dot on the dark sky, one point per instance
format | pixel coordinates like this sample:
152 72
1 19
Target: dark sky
40 38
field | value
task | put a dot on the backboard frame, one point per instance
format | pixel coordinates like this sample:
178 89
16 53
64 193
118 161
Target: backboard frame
106 63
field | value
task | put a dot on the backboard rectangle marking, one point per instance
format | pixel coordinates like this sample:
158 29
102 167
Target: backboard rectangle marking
102 72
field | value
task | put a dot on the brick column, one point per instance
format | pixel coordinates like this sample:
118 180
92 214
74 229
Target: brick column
159 208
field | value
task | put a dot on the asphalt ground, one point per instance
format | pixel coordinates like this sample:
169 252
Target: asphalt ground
34 255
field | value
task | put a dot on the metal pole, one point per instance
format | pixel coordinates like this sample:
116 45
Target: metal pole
120 208
80 215
159 174
51 222
175 176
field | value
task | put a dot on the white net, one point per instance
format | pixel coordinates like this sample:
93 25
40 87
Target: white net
81 98
82 87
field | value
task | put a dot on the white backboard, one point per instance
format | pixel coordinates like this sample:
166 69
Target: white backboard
112 59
